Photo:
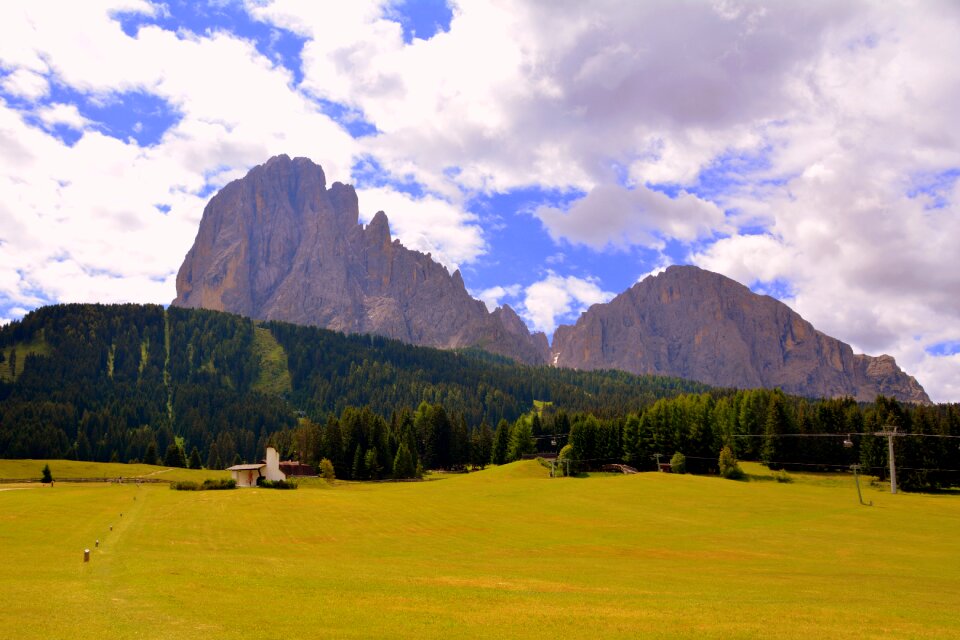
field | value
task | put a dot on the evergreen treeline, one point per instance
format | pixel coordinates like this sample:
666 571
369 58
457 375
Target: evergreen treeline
125 382
781 431
132 382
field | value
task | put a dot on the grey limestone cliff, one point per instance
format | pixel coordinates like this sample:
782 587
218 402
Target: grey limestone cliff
699 325
279 245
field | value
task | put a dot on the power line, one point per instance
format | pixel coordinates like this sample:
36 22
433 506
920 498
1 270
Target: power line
836 435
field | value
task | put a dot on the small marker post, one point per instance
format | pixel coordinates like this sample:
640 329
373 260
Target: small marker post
86 555
856 479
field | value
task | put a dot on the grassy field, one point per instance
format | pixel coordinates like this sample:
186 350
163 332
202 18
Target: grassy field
64 470
503 553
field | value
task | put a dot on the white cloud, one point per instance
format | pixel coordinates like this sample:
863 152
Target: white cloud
26 84
82 222
555 297
493 296
611 215
66 114
940 369
428 224
748 259
818 122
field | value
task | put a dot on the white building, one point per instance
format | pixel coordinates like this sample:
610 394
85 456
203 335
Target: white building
246 474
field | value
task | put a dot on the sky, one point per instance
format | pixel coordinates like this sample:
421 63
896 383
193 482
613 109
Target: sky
555 152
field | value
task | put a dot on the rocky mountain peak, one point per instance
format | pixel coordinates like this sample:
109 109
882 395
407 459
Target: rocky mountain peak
696 324
277 244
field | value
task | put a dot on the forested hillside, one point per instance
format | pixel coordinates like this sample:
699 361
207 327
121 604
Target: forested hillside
123 382
130 382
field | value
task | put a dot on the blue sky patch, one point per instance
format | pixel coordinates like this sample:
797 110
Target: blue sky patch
935 186
139 115
725 174
946 348
282 47
350 119
421 19
135 114
780 289
729 169
367 173
522 252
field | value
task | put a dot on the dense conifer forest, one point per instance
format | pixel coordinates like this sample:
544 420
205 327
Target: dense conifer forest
138 382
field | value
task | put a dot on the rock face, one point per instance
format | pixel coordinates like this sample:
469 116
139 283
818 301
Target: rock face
694 324
278 245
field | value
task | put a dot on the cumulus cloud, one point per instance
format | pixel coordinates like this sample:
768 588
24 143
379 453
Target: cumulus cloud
27 84
108 219
748 258
65 114
556 297
611 215
822 133
428 224
493 296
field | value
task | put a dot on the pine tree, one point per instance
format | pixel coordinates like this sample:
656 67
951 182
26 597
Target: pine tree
521 440
150 457
776 424
84 451
631 442
213 458
501 442
47 475
371 464
333 447
403 466
481 446
174 456
536 424
357 471
195 459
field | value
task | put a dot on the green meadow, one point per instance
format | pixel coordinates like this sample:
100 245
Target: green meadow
502 553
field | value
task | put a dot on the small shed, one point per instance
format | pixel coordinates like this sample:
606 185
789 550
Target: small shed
246 474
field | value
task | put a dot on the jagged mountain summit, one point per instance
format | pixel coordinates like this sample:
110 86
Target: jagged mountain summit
279 245
699 325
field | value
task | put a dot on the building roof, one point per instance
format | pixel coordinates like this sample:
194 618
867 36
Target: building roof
245 467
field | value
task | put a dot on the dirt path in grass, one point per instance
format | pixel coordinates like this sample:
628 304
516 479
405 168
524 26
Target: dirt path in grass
153 473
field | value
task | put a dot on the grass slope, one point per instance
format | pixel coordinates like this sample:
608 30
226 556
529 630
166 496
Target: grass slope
274 375
64 470
38 346
504 553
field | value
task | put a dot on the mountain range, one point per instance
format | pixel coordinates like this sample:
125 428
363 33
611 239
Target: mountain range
278 244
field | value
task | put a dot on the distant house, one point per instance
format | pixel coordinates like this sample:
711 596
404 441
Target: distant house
294 468
246 474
